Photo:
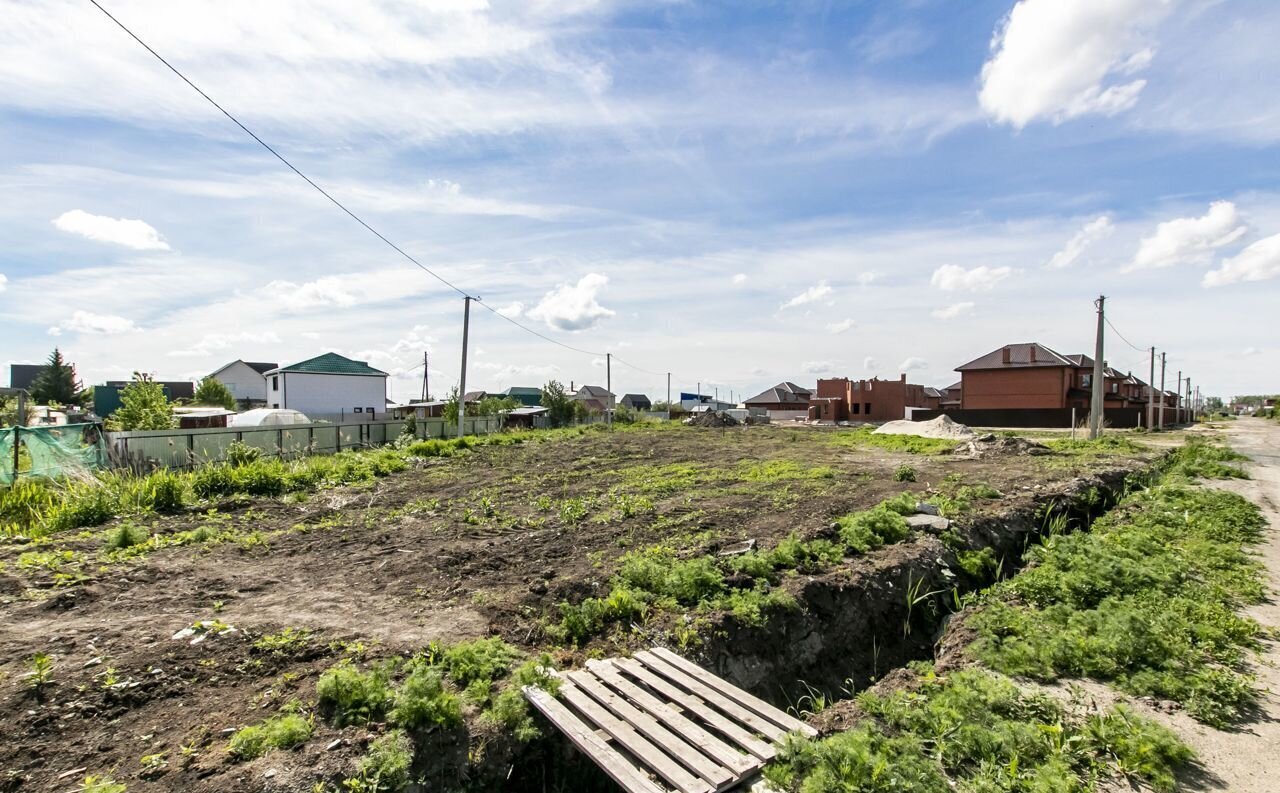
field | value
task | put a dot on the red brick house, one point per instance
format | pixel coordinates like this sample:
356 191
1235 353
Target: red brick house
842 399
1022 376
785 400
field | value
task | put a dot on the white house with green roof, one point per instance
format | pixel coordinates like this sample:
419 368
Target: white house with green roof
329 386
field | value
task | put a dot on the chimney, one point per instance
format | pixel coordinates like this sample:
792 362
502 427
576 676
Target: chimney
572 390
1005 354
903 379
1034 356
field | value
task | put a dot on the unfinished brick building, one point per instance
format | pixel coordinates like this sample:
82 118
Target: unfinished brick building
842 399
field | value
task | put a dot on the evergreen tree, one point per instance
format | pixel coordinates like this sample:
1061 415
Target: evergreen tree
214 393
56 382
143 406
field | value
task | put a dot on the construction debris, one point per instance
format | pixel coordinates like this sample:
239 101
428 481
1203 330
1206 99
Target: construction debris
712 418
990 445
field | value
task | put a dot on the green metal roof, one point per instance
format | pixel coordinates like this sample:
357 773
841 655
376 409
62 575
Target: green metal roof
520 389
332 363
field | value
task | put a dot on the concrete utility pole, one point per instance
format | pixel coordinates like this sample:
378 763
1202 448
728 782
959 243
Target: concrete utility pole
1151 392
608 386
1191 405
462 381
668 395
1160 422
1095 406
1177 408
425 370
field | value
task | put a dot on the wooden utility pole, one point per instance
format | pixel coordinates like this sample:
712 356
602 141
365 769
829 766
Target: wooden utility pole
1095 407
1151 393
462 381
1160 422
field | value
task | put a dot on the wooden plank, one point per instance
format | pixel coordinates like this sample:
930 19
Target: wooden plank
634 742
775 715
689 756
676 675
727 727
723 753
619 768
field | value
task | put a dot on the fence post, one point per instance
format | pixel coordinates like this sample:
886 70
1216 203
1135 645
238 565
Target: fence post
191 451
280 443
16 447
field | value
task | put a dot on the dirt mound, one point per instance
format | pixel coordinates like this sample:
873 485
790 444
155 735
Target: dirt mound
994 446
712 419
941 427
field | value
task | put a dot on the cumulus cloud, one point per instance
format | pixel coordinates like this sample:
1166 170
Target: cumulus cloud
867 278
1059 60
913 363
573 306
3 282
217 342
1258 262
870 364
816 292
1189 241
817 367
512 310
1097 229
954 278
952 311
320 293
739 279
96 324
841 326
136 234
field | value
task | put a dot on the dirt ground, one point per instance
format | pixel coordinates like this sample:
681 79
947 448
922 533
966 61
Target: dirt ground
485 543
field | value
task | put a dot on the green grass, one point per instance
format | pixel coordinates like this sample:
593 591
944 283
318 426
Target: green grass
1108 444
347 695
289 641
977 731
422 701
283 731
1200 458
385 768
864 437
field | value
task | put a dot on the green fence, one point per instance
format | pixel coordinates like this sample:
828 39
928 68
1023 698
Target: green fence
52 452
191 448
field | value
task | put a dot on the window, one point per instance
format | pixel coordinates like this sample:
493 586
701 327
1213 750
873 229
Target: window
359 410
855 408
275 382
369 411
1086 380
866 408
275 404
1115 388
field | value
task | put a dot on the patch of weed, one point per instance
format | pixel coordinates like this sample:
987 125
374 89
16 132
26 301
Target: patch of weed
283 731
347 695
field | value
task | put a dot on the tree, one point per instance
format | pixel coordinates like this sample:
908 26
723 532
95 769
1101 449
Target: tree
559 405
492 406
213 392
450 410
143 406
56 381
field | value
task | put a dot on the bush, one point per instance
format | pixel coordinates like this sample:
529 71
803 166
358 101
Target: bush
162 491
904 473
284 731
348 696
422 701
240 453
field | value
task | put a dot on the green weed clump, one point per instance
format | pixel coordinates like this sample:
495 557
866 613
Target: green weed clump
422 701
283 731
872 528
1199 458
347 695
1109 444
910 444
385 769
289 641
1148 599
659 572
126 535
904 473
479 659
977 731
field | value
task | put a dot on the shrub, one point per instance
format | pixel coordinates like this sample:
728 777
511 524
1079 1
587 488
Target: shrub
422 701
873 528
262 478
240 453
283 731
904 473
349 696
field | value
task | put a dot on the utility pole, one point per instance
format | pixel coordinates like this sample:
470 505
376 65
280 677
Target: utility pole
1095 407
1151 392
426 391
608 386
1191 405
1160 422
668 394
462 381
1177 408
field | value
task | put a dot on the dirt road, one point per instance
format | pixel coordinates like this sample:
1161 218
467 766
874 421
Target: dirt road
1247 760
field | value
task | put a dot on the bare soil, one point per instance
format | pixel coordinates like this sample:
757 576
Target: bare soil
457 548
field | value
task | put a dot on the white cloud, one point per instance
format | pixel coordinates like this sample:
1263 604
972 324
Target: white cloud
739 279
136 234
952 311
1189 241
913 363
816 292
3 282
867 278
1258 262
217 342
573 306
512 310
99 324
322 292
817 367
841 326
1058 60
1251 351
954 278
870 364
1097 229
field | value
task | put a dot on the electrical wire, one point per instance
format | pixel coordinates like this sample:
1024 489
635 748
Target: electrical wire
1122 338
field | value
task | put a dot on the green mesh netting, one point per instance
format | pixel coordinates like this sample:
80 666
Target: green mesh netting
52 452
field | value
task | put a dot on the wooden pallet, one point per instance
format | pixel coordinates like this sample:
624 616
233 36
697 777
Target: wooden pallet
658 723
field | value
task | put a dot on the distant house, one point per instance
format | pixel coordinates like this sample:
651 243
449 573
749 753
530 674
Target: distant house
525 395
173 389
245 381
951 396
329 386
474 397
596 394
528 417
842 399
432 409
201 417
636 402
784 401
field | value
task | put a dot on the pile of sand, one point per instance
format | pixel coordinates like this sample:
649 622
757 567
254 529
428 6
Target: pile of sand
941 427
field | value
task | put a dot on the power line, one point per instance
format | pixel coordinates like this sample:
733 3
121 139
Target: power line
1123 339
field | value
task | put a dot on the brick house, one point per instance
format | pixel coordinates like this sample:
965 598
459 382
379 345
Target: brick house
1025 376
786 400
842 399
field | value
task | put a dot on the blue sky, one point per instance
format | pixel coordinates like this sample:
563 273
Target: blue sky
738 193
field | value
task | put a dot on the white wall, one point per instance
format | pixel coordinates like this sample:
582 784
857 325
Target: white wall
243 382
324 394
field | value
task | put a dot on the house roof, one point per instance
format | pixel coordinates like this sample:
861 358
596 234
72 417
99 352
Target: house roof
956 386
635 398
474 396
1021 356
330 363
528 411
594 391
261 367
933 392
782 392
522 390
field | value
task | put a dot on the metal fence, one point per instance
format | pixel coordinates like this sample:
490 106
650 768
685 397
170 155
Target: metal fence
190 448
